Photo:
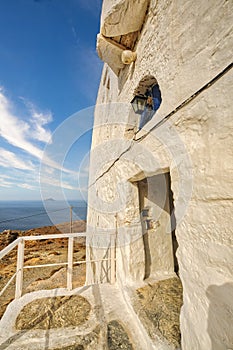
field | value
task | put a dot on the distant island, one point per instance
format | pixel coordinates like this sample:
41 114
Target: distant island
49 200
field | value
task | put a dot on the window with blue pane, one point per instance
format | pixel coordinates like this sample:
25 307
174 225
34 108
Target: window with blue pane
147 104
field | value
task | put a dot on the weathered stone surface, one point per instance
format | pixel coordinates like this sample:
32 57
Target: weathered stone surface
122 16
161 303
120 25
72 347
128 56
110 52
127 40
117 337
57 312
58 279
183 46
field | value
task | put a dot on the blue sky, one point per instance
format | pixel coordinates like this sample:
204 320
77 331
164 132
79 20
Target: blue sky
49 70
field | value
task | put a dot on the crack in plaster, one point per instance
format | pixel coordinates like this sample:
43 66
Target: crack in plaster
188 100
168 116
109 168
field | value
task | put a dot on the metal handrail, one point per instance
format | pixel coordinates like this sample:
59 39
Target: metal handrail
11 246
54 236
8 283
20 243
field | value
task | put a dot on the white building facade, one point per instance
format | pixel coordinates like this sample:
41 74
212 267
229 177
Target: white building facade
160 195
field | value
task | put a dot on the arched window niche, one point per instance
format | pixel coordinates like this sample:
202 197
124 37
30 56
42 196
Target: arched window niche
147 99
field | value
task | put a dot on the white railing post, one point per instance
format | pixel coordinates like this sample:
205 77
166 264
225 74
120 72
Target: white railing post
112 260
70 263
19 270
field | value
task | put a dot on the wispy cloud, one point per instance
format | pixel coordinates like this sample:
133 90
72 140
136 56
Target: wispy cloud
51 181
14 130
10 160
75 34
19 178
92 67
24 135
38 121
23 162
6 184
27 186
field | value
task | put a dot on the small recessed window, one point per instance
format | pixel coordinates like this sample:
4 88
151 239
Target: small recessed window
145 212
146 103
152 104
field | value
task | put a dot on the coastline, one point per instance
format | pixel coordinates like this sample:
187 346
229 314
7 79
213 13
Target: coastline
26 215
8 236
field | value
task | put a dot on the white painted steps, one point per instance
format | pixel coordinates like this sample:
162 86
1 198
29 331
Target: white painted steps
108 303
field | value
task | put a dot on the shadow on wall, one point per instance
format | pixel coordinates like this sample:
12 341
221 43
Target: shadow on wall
220 316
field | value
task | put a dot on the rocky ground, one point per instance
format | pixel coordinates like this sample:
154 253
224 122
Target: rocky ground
72 311
157 304
158 307
117 337
58 312
39 253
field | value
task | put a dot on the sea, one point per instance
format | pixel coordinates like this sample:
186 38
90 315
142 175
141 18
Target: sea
24 215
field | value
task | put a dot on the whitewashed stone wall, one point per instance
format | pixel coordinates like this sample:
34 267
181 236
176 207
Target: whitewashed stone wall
184 45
